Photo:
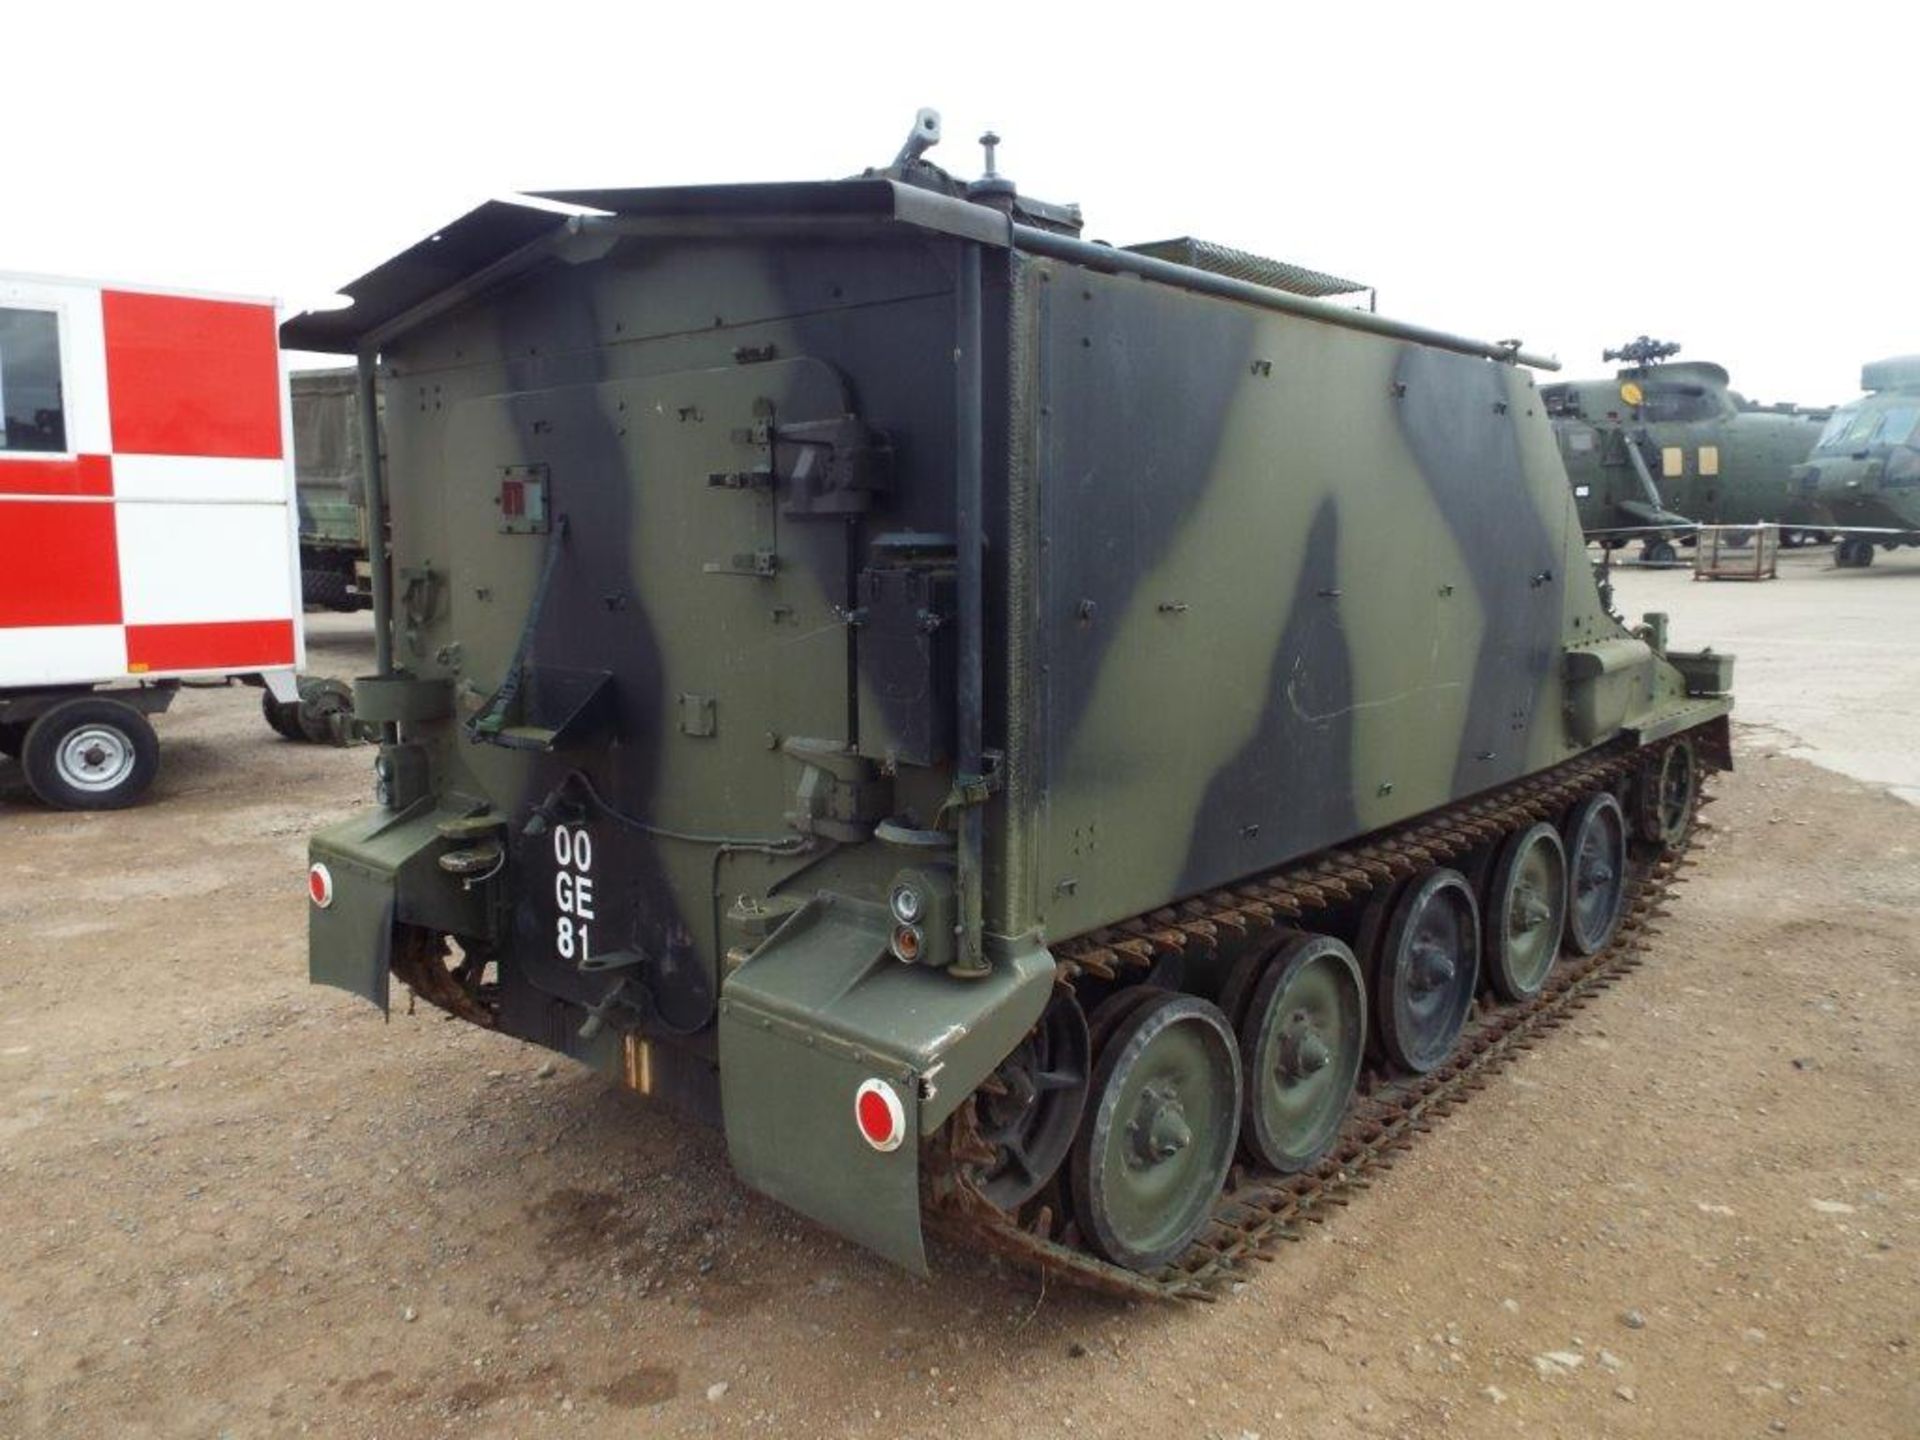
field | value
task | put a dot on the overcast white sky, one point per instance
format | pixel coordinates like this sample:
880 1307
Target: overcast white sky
1736 177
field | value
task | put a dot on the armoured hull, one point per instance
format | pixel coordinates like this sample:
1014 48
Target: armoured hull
756 547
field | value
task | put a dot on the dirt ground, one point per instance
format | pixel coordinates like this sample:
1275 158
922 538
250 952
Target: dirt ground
235 1205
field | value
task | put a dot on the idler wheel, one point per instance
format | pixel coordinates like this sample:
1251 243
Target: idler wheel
1526 912
1596 840
1031 1106
1160 1132
1665 794
1425 951
1303 1035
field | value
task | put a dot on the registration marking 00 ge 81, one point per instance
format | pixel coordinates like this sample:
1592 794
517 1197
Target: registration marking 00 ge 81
572 891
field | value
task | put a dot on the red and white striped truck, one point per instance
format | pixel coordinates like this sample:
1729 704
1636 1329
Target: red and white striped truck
147 525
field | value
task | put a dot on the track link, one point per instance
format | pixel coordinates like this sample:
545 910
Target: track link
1257 1211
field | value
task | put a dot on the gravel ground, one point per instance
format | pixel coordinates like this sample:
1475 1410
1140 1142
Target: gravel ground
239 1206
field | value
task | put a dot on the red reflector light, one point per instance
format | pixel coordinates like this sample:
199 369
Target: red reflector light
879 1114
320 886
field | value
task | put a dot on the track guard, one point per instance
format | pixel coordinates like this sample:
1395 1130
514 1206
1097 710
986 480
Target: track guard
820 1010
381 870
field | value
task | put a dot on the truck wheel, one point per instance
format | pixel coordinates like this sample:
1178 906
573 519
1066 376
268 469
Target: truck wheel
282 715
90 754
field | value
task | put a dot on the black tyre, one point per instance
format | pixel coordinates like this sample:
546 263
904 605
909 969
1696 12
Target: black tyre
1596 840
13 736
1526 912
1303 1035
282 715
1658 552
1159 1133
1853 553
1422 949
90 753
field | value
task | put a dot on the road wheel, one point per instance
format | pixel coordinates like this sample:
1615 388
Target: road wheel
1425 963
1160 1132
90 753
1526 912
1853 553
1658 552
1303 1034
1596 840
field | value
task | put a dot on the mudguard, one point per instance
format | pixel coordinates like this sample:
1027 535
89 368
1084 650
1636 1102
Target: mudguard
383 870
820 1010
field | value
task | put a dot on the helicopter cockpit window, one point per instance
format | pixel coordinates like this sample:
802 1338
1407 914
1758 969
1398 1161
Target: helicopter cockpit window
1851 428
1896 427
1678 402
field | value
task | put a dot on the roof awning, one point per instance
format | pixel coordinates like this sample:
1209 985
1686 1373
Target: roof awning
453 254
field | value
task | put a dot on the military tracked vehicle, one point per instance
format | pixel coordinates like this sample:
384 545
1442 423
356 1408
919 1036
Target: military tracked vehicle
1070 749
1665 446
1865 470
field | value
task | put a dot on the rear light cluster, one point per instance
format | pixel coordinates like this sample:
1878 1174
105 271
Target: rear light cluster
908 905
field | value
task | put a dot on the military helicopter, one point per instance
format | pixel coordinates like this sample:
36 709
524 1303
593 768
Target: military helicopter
1865 468
1665 447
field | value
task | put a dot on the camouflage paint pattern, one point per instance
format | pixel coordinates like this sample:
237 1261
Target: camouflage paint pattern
1256 584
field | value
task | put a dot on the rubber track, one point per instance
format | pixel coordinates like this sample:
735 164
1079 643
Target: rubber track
1260 1211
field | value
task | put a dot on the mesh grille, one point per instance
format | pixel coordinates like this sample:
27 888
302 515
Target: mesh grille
1243 265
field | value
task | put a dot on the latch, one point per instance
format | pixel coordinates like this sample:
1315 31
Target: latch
824 467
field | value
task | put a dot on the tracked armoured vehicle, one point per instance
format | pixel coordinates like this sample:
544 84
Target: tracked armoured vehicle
1035 740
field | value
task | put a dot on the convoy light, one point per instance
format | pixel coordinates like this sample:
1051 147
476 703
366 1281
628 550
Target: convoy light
907 943
908 904
879 1114
320 885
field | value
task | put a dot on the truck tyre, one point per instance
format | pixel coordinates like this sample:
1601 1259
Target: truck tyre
282 715
90 753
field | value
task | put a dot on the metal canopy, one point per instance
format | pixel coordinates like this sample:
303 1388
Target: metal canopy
1245 265
485 245
478 239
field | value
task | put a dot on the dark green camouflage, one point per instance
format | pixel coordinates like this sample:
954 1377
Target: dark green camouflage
674 551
